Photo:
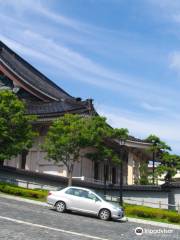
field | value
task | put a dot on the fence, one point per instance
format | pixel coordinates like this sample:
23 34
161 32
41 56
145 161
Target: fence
27 184
34 185
92 180
142 202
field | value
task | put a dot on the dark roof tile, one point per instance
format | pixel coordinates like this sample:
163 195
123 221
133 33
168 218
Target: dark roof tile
30 74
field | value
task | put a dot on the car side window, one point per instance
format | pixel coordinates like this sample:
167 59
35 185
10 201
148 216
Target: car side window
83 193
70 191
93 197
74 191
77 192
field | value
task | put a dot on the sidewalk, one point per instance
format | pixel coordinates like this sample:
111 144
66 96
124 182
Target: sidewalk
130 219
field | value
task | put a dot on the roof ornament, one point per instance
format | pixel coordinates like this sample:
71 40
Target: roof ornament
16 89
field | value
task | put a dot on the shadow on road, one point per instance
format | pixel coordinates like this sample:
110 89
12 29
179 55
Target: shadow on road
85 215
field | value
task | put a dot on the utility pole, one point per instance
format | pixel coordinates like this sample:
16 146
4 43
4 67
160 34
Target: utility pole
122 143
153 167
105 176
121 184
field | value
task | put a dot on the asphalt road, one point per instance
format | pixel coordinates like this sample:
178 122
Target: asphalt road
19 220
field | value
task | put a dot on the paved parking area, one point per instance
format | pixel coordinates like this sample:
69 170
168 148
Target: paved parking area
19 220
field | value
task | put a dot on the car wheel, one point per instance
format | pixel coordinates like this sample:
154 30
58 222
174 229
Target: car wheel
60 206
104 214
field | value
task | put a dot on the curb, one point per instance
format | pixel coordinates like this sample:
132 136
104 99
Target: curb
129 219
153 223
2 195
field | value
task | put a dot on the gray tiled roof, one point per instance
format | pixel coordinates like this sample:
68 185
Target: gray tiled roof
60 102
56 107
134 139
30 74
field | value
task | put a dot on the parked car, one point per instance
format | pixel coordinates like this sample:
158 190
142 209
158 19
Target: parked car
83 200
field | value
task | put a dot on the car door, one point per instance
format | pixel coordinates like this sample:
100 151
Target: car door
89 202
73 196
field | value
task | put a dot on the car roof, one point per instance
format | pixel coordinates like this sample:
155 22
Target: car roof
79 188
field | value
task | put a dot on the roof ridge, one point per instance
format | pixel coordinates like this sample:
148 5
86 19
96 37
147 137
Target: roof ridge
33 69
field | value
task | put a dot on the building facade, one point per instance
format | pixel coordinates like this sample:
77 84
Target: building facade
48 101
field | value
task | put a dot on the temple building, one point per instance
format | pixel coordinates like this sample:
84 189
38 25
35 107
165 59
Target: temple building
48 101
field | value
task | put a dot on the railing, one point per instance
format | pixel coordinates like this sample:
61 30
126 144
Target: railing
142 202
27 184
34 185
92 180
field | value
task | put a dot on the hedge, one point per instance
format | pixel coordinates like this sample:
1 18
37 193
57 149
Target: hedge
153 213
23 192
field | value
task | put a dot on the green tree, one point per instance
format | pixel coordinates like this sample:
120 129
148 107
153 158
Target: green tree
169 164
71 133
64 140
102 135
158 147
143 174
16 133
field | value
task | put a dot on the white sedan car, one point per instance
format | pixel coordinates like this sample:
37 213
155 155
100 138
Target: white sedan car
83 200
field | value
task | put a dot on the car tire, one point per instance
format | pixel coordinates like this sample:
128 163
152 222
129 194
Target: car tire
60 206
104 214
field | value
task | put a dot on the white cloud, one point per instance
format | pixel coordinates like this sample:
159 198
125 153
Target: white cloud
40 7
27 38
82 68
175 61
74 63
141 126
150 107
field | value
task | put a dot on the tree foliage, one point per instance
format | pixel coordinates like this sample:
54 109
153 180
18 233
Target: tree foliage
143 169
71 133
158 146
101 132
169 165
16 133
65 138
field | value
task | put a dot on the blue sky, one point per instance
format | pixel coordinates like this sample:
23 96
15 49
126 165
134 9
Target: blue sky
125 54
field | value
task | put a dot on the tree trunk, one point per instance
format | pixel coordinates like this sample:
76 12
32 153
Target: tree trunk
1 163
69 178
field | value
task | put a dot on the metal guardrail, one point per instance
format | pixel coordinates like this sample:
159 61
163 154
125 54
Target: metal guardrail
34 185
27 184
142 202
92 180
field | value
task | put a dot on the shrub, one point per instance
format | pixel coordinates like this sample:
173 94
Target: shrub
173 217
20 191
154 213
